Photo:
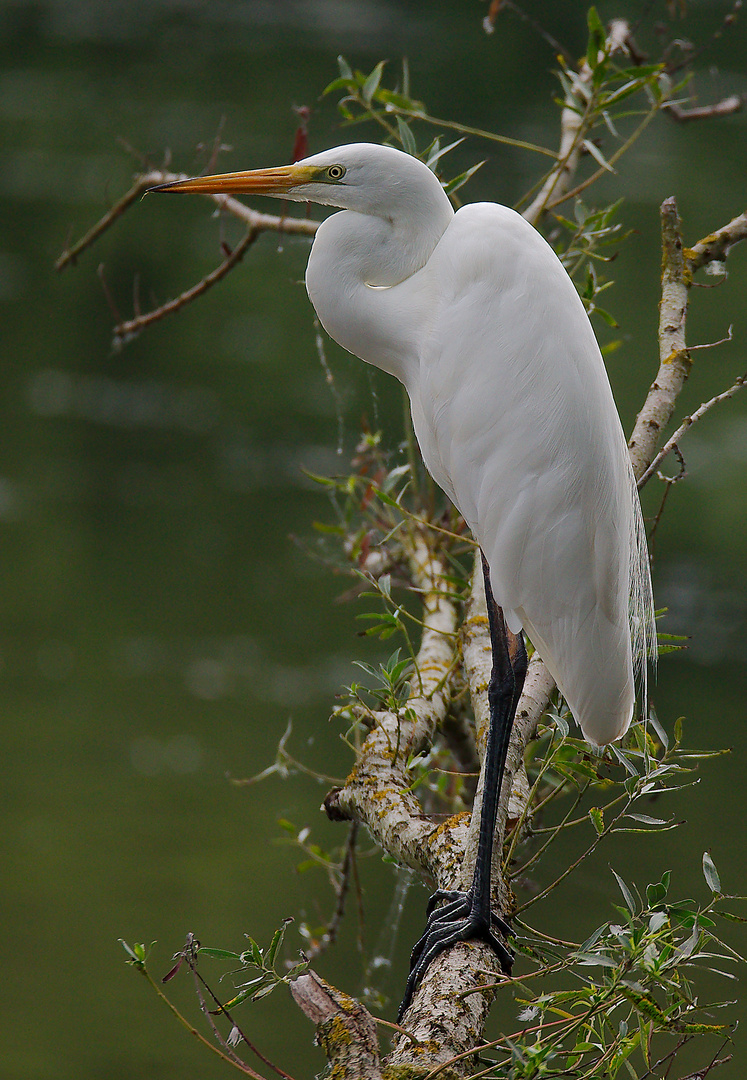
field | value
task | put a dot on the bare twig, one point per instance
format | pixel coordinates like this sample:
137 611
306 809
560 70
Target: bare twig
678 266
70 255
341 888
147 180
687 423
126 330
726 107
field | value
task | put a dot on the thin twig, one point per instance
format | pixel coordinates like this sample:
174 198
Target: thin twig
687 423
147 180
726 107
223 1011
126 330
70 255
341 888
192 1029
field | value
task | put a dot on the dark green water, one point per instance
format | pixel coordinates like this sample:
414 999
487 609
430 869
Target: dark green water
159 625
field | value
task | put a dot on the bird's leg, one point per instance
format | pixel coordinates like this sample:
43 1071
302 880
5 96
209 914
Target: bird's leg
468 915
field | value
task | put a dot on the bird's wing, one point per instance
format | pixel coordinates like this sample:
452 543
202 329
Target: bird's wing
516 420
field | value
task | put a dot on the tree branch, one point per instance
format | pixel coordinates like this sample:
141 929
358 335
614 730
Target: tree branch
130 328
687 423
345 1029
678 266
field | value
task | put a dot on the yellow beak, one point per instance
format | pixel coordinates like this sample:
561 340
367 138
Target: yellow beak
257 182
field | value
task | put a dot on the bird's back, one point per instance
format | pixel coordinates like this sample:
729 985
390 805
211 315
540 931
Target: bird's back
516 420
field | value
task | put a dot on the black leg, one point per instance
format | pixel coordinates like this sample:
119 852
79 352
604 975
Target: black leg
466 916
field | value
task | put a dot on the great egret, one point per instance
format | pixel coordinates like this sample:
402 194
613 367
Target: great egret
515 418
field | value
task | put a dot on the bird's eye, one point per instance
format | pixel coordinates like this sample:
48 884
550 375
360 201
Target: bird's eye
336 172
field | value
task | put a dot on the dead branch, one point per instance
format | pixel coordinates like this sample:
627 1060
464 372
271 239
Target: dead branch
687 423
142 184
726 107
129 328
70 255
678 266
341 886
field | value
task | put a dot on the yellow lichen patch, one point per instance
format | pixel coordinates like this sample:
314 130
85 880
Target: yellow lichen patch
334 1033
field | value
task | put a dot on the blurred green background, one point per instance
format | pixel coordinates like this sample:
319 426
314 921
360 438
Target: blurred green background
160 625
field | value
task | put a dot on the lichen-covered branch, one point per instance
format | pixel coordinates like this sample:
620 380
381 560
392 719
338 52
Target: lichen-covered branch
378 791
678 266
345 1029
716 246
674 359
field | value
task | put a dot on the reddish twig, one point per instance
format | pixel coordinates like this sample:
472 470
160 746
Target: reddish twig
126 330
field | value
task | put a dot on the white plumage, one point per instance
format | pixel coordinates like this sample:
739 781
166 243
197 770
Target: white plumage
511 404
512 409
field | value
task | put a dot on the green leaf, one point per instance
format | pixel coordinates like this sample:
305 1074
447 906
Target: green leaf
623 760
597 38
729 916
253 954
711 874
654 722
345 69
646 820
594 960
135 952
264 991
371 85
406 137
597 819
459 181
605 315
338 84
597 154
562 725
627 895
219 954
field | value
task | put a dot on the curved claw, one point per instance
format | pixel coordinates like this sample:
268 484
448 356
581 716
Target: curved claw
456 921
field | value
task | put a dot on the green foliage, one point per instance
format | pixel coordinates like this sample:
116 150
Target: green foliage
632 986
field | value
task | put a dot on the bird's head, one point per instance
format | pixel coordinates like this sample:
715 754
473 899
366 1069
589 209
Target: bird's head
366 177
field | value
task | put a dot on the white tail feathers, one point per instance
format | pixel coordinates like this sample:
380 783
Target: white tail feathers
641 613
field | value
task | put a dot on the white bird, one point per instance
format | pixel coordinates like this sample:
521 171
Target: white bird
474 313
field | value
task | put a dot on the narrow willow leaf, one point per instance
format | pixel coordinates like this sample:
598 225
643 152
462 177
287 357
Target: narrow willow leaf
627 895
597 154
277 940
646 820
407 138
253 955
711 874
371 85
459 181
219 954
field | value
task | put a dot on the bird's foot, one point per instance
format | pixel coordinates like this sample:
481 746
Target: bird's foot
458 920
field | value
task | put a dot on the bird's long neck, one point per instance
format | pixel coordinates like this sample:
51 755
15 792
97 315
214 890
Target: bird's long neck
361 279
